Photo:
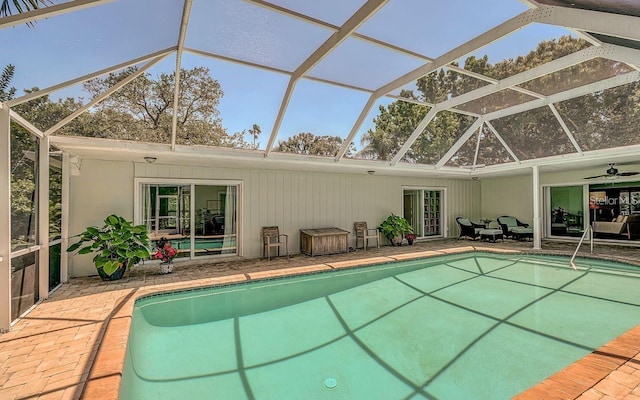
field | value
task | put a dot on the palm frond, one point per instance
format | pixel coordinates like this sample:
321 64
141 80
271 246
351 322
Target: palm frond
9 7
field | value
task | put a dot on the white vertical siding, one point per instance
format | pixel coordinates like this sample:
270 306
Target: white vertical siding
508 196
102 188
290 199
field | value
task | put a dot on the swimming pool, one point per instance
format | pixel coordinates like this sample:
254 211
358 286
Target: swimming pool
478 325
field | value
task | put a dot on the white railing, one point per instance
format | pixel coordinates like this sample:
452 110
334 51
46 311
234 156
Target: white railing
589 231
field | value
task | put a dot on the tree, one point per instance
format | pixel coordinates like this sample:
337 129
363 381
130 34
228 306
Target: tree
393 126
310 144
530 134
143 109
7 92
23 185
255 131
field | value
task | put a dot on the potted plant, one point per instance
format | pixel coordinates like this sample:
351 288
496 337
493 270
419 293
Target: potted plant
410 238
394 228
165 252
118 244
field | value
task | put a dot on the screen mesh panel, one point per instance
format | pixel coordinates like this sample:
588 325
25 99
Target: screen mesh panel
432 28
245 31
465 156
335 12
442 133
604 119
526 48
533 134
578 75
365 148
495 102
491 151
316 121
238 111
360 55
239 57
91 39
392 125
445 84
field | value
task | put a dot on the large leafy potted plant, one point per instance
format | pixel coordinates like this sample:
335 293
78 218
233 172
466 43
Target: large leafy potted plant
119 244
394 228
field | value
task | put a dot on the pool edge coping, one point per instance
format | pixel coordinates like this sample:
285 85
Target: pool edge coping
105 373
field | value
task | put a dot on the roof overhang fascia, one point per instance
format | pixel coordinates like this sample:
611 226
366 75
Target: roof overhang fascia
624 26
121 150
238 158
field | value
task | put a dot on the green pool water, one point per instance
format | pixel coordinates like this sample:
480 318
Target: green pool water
473 326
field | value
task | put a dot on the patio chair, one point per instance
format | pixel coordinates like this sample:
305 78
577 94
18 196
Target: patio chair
271 237
468 228
514 228
365 234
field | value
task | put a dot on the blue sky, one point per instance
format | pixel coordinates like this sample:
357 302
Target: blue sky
64 47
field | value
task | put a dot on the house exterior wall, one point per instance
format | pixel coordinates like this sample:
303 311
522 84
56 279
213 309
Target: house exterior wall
292 200
100 189
511 195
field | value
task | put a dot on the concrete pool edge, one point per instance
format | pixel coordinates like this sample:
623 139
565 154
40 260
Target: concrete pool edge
103 380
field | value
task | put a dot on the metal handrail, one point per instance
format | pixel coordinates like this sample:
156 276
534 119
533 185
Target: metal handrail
590 231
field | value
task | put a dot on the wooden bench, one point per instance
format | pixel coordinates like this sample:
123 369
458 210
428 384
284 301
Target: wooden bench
317 242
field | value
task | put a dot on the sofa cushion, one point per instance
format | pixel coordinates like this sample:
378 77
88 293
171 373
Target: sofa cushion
520 230
464 221
608 227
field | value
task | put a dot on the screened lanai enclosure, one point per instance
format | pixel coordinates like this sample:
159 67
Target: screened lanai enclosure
206 120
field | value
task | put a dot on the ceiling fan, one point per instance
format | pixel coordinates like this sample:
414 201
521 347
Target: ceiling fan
613 173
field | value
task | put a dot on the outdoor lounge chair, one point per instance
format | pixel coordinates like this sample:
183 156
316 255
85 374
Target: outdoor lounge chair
469 228
365 234
514 228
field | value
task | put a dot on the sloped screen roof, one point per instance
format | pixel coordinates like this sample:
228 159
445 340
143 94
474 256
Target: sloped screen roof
454 85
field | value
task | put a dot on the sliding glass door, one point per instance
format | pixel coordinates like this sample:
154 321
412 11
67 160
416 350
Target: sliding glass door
216 207
565 210
165 207
423 209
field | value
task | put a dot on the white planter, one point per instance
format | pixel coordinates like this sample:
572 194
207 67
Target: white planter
166 268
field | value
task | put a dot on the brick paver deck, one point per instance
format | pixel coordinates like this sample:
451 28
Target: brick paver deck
72 345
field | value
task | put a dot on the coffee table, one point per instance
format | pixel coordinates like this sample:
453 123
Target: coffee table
491 235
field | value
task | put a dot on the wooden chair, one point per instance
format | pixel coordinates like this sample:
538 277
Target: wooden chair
271 237
365 234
